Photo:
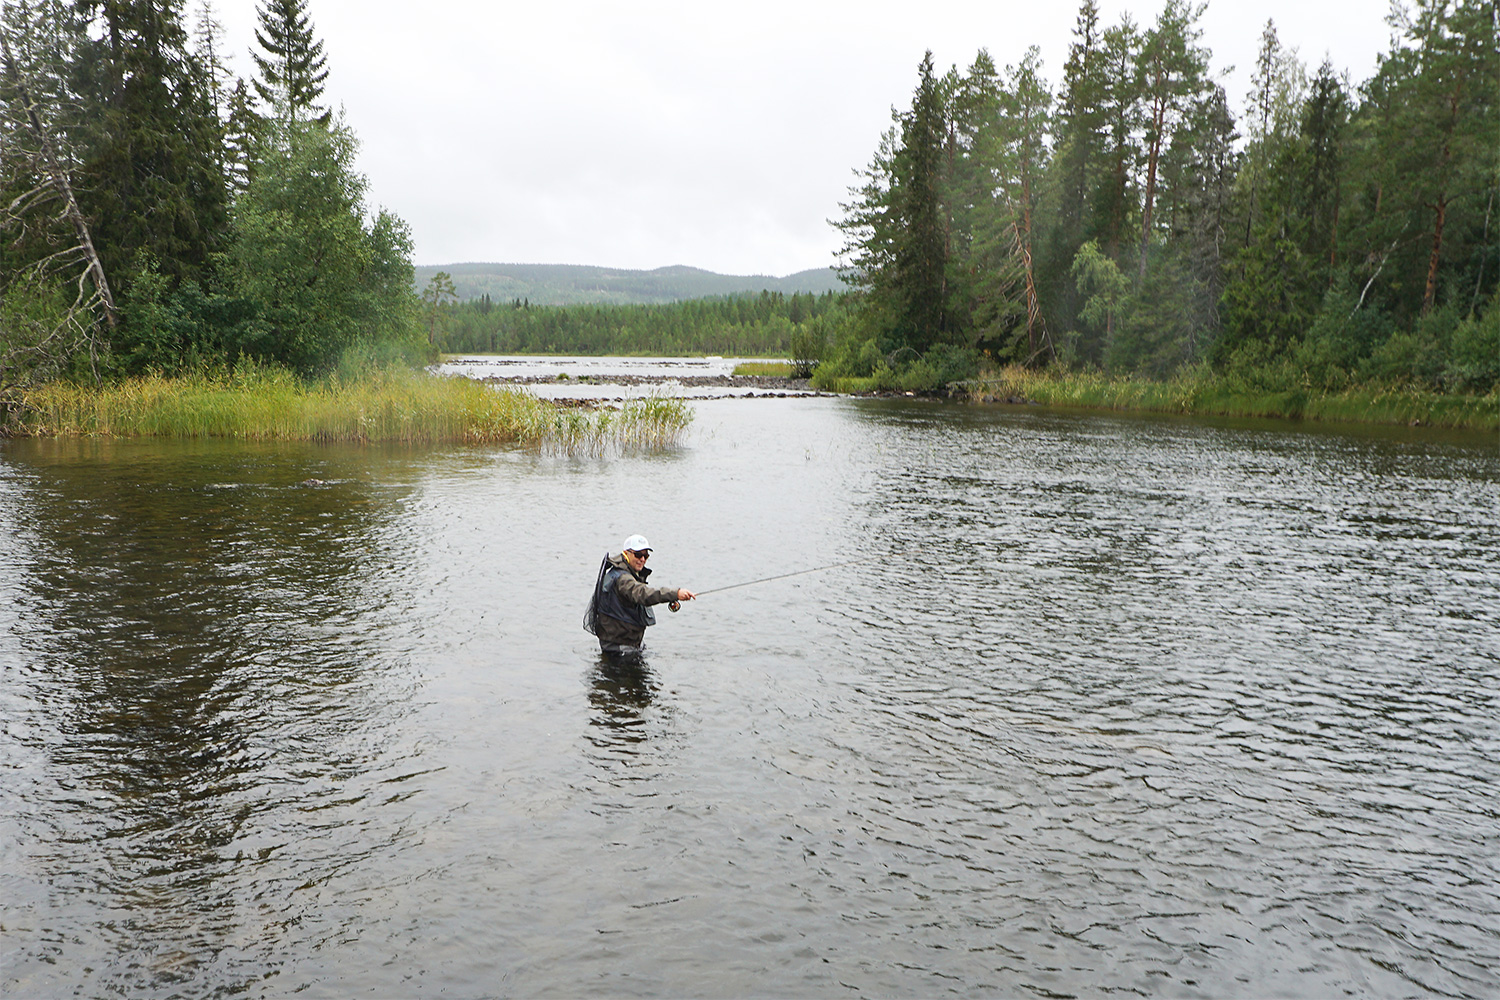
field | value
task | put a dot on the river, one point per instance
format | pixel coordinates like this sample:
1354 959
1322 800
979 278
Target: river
1111 705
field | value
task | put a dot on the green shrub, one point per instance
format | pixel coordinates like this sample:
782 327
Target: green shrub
951 363
1404 359
850 359
919 376
808 341
1258 366
364 357
1474 353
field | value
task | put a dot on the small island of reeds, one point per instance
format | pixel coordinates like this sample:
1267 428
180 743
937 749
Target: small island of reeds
261 403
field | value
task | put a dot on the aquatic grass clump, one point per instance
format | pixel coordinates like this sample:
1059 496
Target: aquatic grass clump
386 405
1201 392
779 369
651 423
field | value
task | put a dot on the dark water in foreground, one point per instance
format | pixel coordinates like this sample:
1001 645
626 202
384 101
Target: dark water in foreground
1124 706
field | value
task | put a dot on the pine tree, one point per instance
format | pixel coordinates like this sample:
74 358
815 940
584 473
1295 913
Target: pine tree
1450 142
293 69
1008 291
1426 161
53 285
1172 70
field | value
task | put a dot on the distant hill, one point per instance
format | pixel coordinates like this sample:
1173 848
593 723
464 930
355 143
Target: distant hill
577 284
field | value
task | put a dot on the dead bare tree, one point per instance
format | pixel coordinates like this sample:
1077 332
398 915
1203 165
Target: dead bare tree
42 221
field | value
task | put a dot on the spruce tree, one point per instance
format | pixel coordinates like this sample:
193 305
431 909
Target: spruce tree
1114 210
921 251
1272 106
1325 118
899 224
242 132
970 187
1198 174
1077 167
208 47
1008 310
293 68
1081 126
150 179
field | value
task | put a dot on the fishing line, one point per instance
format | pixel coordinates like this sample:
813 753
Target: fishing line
783 576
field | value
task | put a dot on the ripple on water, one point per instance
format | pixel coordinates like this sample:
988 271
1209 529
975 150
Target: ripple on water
1158 707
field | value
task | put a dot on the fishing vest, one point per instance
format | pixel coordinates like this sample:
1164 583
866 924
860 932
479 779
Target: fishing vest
610 602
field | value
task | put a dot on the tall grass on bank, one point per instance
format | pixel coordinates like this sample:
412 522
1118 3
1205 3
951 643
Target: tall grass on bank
387 405
1204 393
779 369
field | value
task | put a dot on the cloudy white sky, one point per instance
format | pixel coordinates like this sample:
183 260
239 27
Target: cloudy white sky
720 135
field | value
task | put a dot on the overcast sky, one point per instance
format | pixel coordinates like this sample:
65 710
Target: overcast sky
720 135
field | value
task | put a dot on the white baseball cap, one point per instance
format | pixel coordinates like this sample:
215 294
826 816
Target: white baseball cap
637 543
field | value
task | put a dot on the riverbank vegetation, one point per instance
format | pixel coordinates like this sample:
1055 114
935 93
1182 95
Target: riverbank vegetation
1325 247
397 404
1296 250
1205 392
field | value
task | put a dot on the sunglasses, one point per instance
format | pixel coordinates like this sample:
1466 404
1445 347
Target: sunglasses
643 555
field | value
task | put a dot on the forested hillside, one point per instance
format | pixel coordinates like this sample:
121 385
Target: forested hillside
768 324
574 284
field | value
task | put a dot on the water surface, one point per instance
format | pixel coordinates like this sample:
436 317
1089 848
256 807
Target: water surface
1112 705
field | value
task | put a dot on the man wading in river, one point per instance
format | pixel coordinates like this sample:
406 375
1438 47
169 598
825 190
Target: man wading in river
620 610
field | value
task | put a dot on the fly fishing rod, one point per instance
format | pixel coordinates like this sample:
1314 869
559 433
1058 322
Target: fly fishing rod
780 576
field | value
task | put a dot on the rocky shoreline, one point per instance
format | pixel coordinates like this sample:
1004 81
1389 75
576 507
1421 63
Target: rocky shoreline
772 382
772 386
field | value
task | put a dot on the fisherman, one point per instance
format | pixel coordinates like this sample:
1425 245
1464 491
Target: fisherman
621 607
